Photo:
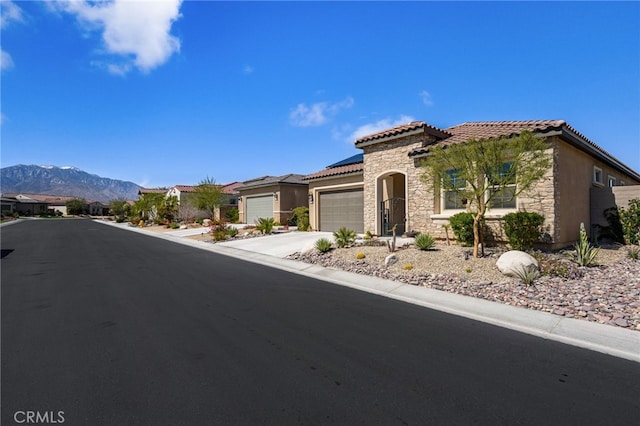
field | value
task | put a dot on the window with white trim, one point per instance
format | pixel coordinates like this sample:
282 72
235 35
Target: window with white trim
503 189
453 200
598 179
611 181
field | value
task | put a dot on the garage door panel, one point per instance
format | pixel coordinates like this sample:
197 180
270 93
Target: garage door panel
342 208
258 207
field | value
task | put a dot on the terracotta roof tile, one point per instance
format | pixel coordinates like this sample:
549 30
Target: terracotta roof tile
398 131
491 129
185 188
336 171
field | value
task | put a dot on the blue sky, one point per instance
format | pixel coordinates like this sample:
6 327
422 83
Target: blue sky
165 93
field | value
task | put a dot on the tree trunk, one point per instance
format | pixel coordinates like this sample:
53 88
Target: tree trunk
477 236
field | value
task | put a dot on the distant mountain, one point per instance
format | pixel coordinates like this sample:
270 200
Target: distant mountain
64 181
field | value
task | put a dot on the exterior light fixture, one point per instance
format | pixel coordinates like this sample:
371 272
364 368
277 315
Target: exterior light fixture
275 195
310 198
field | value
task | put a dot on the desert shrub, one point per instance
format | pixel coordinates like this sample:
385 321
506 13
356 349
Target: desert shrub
633 252
232 215
265 225
424 241
199 221
407 266
462 226
174 225
344 237
528 274
360 255
523 229
323 245
585 254
300 218
368 235
630 221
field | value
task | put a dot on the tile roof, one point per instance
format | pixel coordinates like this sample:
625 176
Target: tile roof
336 171
231 188
400 130
491 129
152 191
185 188
291 178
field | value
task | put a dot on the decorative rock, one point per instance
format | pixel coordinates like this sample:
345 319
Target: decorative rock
514 261
621 322
390 260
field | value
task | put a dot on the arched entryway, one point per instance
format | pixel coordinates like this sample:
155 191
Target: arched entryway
392 202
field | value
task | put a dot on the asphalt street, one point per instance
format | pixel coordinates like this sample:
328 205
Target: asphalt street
110 327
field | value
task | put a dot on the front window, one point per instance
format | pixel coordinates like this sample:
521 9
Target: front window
612 181
597 176
502 188
453 200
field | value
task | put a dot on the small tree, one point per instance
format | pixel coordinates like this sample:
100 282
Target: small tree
148 205
486 170
168 208
208 196
77 206
119 208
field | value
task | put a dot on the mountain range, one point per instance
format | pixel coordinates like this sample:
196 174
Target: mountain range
64 181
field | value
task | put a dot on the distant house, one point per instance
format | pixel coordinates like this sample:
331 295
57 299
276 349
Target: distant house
383 187
24 205
271 196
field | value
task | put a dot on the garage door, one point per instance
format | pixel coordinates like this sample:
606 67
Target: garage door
342 208
259 207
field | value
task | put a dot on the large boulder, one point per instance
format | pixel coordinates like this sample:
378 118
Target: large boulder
514 261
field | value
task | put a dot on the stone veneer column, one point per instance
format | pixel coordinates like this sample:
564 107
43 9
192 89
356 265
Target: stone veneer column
393 157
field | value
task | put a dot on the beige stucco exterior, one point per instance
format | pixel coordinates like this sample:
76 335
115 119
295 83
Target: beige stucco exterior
286 197
333 183
562 196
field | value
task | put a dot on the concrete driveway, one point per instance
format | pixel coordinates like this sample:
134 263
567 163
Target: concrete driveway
279 245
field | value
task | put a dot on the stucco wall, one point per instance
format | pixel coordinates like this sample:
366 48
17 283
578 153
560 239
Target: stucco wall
289 197
335 183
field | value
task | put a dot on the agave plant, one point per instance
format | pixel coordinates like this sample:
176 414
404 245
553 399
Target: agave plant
424 241
527 274
323 245
585 253
344 237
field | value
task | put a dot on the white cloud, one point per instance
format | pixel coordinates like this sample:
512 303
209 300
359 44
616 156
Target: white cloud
426 98
378 126
137 31
10 13
5 60
317 114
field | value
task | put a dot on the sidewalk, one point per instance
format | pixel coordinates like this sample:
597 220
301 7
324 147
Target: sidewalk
270 251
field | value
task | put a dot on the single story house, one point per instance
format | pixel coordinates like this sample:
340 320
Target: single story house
387 182
271 196
24 205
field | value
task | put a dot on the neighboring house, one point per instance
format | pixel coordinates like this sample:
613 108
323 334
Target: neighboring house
24 205
336 196
230 200
394 193
271 196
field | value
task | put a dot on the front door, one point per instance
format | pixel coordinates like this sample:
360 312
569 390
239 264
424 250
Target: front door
392 212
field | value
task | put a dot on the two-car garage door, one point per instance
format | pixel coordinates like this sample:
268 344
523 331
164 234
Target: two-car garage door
341 208
258 207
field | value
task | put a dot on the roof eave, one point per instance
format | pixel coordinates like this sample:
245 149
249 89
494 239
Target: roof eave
389 138
333 176
585 146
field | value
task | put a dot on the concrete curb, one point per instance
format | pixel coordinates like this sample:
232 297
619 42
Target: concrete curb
618 342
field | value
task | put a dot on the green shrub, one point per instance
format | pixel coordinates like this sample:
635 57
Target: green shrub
424 241
232 215
630 221
527 274
462 226
174 225
344 237
523 229
231 231
323 245
300 218
265 225
585 253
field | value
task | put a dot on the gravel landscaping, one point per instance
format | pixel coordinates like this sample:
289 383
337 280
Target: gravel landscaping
608 293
